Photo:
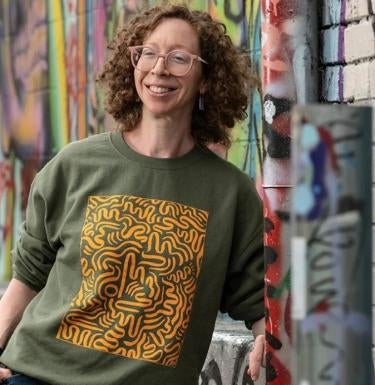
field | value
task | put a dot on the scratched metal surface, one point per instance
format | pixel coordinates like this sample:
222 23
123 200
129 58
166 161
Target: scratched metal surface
332 245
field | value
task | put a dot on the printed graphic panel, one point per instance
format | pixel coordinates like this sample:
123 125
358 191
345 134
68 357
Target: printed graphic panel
140 260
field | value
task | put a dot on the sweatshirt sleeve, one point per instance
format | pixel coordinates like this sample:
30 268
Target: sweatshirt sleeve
34 255
243 295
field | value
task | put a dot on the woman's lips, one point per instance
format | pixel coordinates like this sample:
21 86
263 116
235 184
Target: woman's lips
160 90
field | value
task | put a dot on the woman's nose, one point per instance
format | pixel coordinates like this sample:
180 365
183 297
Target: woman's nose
159 67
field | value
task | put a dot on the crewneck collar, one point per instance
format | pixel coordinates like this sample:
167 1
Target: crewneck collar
125 150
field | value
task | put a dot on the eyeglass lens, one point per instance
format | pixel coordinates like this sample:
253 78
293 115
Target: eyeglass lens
176 62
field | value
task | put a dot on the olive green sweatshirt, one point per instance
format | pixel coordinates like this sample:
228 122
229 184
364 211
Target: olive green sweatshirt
132 258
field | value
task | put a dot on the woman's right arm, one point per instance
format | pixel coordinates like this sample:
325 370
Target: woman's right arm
12 305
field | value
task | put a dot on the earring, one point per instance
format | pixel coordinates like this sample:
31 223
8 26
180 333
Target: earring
201 102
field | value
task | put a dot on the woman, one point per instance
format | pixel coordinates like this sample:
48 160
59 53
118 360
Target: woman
132 242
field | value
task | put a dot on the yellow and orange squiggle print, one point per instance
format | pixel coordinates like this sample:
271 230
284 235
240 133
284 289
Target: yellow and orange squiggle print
140 261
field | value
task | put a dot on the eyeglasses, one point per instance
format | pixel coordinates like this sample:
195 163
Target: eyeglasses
177 63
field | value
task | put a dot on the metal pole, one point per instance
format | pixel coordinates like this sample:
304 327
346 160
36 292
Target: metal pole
289 63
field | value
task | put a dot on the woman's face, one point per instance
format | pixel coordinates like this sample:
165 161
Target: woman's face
163 94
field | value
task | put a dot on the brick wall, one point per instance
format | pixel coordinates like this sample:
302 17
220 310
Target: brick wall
348 56
348 51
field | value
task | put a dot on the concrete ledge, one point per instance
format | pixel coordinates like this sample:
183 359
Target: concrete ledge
226 362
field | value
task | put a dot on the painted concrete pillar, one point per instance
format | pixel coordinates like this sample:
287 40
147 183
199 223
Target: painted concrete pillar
289 63
227 360
331 245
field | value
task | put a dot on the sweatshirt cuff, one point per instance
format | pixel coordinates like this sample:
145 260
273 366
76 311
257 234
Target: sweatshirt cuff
257 314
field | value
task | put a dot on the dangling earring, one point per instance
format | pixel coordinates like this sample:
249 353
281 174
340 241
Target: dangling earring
201 102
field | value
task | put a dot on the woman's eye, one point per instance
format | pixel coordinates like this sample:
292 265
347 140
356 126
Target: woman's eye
148 53
179 58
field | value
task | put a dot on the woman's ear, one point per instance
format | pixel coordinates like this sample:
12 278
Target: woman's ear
203 87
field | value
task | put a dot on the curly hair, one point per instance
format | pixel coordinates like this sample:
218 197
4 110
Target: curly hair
228 74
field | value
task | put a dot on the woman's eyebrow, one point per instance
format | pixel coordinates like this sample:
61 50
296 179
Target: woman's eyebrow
170 47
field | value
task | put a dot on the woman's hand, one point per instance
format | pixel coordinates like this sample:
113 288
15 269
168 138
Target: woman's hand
4 374
12 305
257 357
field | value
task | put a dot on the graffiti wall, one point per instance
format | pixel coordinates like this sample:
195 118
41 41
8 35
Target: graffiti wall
50 52
331 241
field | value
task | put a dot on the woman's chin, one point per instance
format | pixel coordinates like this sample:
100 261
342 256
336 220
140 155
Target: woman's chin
158 111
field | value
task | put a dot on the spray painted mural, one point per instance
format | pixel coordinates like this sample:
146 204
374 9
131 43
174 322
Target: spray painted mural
331 240
50 52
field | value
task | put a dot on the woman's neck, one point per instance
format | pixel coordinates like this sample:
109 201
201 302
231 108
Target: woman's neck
160 137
